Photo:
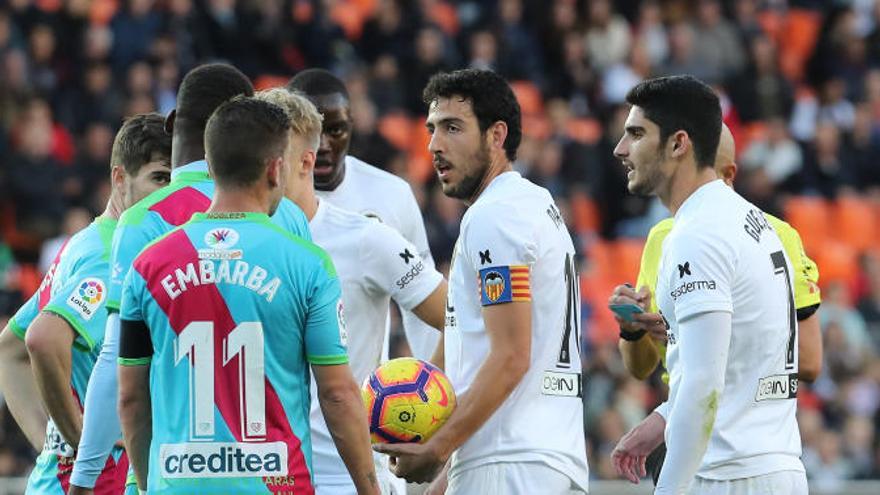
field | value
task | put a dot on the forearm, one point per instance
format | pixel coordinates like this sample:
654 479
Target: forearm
52 374
19 389
809 348
640 357
100 423
137 430
704 342
438 359
347 421
495 381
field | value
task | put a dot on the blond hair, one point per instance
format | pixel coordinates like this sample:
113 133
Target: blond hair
305 120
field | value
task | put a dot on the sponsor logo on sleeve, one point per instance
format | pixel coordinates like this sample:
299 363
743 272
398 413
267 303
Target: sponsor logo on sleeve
485 257
689 287
222 460
406 256
87 297
411 274
777 387
340 319
684 269
55 444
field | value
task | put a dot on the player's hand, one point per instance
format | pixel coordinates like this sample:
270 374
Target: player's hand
626 294
78 490
631 452
414 462
654 323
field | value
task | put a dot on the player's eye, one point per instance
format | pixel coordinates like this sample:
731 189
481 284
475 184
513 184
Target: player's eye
336 131
161 178
452 128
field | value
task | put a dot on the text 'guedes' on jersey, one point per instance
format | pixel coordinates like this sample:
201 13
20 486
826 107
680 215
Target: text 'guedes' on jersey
237 309
75 289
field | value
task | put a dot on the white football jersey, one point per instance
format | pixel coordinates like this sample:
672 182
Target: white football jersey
371 191
374 264
723 255
514 246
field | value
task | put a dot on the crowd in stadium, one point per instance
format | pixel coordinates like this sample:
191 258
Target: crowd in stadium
800 86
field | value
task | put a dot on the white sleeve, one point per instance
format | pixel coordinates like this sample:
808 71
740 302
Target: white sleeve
393 266
422 337
704 341
700 273
497 236
663 410
101 428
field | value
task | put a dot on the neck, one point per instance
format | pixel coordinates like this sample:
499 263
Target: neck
685 180
187 151
306 199
496 168
234 200
115 206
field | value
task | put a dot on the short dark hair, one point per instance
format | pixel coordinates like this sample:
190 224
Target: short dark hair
317 82
490 96
241 136
682 103
203 89
140 139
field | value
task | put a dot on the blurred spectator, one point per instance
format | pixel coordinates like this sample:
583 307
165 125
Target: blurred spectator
828 168
519 48
134 27
761 91
430 58
869 304
651 33
682 55
35 177
442 219
864 146
97 100
92 164
75 220
390 31
366 142
826 467
716 44
608 35
772 162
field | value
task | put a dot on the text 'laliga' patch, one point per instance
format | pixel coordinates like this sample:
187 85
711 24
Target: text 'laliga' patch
503 284
87 297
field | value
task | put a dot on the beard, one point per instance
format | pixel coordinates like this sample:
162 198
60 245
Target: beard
467 187
650 177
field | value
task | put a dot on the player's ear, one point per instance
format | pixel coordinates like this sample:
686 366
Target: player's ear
497 134
308 162
169 122
274 173
680 143
117 175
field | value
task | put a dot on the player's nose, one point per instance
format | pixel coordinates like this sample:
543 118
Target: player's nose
621 151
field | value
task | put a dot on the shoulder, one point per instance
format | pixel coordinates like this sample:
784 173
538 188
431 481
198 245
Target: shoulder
370 174
659 231
300 249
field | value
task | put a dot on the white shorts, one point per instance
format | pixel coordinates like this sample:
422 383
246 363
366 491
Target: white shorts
388 485
779 483
512 478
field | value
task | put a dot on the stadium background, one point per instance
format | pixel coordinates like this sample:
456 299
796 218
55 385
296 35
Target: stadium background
800 85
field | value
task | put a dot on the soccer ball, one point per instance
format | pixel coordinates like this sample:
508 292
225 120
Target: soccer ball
407 401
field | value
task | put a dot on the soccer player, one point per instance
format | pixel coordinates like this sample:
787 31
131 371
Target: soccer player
375 264
203 89
512 323
62 325
724 290
221 319
356 186
641 353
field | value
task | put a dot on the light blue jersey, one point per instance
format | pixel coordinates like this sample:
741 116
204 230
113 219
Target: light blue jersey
189 192
237 309
75 289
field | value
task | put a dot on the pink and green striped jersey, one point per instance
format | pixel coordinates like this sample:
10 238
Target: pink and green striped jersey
237 309
75 289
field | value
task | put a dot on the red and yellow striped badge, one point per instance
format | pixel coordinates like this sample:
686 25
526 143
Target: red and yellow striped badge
502 284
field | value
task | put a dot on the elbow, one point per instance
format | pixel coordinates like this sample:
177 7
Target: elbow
338 395
39 342
11 347
810 370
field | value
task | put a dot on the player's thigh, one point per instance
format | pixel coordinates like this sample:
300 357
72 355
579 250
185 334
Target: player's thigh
512 478
779 483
